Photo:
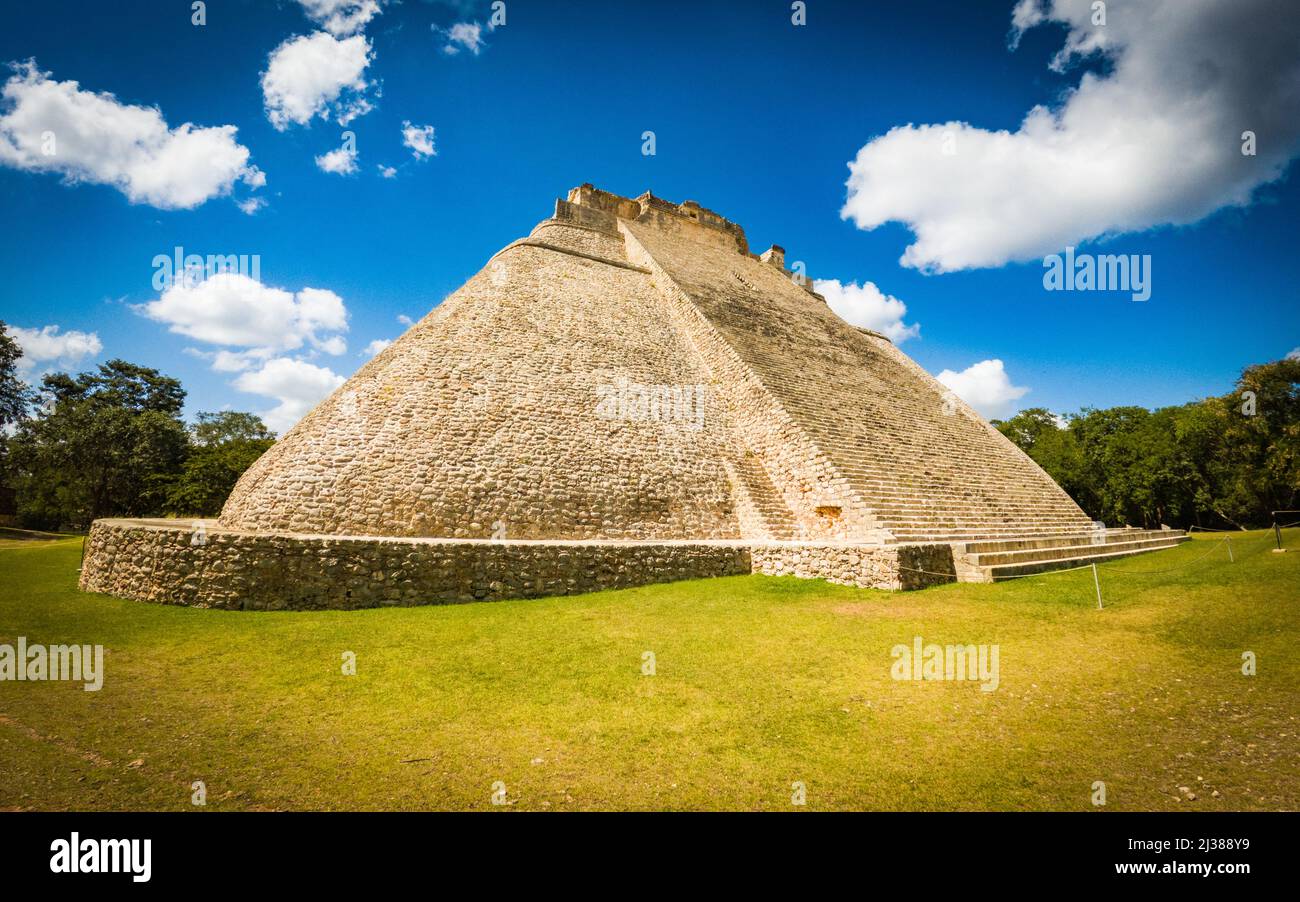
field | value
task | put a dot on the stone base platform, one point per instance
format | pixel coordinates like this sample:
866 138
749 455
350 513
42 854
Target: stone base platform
196 563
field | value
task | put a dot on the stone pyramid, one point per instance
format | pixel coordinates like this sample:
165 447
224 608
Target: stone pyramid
631 371
626 396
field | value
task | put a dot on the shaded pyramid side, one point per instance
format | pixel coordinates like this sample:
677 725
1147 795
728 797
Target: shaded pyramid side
887 447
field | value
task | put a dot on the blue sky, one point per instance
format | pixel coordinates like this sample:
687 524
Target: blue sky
753 117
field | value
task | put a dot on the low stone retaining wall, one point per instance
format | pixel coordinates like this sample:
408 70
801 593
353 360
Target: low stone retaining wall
864 566
195 563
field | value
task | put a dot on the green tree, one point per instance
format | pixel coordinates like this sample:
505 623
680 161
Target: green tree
1222 461
15 396
15 399
1029 426
229 426
1258 469
1048 439
105 443
225 445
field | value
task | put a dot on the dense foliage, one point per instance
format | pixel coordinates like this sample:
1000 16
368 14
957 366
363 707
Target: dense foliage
14 393
1222 462
15 398
223 446
112 443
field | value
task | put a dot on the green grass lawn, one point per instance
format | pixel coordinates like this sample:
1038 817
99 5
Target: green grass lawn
760 682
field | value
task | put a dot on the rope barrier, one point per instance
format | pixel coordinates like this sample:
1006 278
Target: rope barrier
1020 576
1194 560
1208 552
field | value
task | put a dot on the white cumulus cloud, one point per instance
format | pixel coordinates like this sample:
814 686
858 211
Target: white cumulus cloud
341 161
420 139
1155 140
56 127
295 385
986 387
867 306
47 348
238 311
340 17
376 346
317 75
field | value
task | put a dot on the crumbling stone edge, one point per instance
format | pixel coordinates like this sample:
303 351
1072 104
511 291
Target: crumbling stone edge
195 563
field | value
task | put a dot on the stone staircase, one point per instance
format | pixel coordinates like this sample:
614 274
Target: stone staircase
923 468
944 512
840 419
767 506
992 558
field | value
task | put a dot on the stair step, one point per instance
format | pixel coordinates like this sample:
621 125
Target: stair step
1007 571
971 535
1077 539
1064 552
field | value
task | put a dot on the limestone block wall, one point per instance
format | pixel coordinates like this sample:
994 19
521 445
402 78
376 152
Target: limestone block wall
867 567
158 561
164 561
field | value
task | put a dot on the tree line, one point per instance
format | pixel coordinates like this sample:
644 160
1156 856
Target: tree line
112 443
1222 462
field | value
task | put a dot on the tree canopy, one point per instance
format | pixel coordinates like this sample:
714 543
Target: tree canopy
1222 461
15 396
111 442
223 446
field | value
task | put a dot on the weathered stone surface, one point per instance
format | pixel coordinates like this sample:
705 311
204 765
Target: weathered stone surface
479 456
864 566
484 418
174 562
159 561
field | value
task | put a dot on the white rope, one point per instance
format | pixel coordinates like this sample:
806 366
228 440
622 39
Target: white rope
1082 567
1208 552
1020 576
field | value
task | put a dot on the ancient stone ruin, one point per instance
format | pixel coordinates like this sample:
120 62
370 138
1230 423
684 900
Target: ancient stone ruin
628 395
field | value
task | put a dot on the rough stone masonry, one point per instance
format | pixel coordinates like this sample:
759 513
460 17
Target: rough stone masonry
628 395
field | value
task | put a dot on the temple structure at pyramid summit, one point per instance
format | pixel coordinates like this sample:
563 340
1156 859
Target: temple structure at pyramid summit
627 395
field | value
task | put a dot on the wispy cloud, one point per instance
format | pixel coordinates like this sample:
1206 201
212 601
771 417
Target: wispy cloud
420 139
341 161
341 17
47 348
461 36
